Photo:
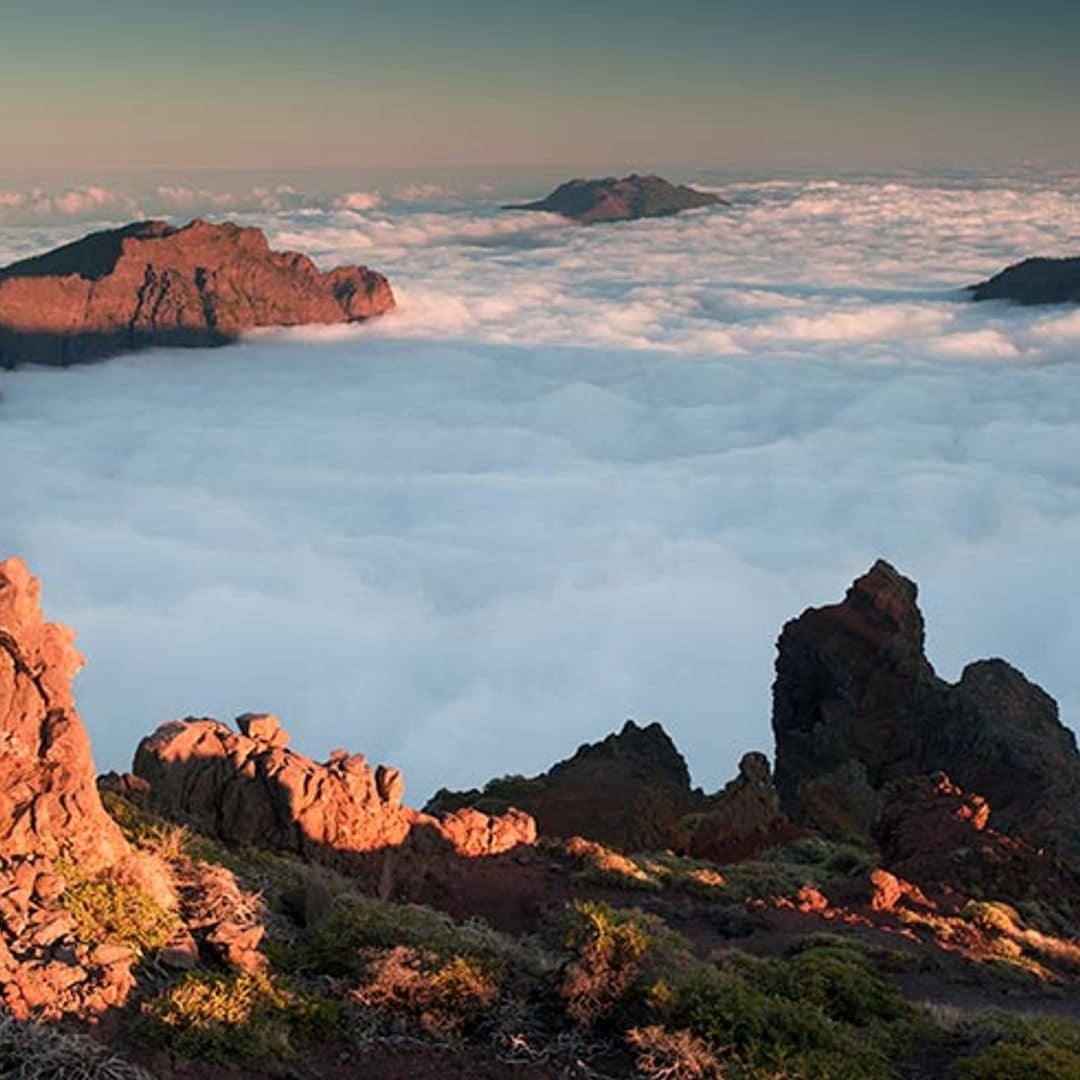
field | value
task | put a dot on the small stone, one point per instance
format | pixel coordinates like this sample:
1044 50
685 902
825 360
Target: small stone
109 954
263 728
390 784
48 886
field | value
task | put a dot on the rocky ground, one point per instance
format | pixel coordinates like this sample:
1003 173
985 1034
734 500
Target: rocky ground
902 901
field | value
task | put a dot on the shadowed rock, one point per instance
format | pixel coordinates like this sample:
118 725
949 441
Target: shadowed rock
933 832
152 284
856 704
613 199
743 818
1033 281
629 791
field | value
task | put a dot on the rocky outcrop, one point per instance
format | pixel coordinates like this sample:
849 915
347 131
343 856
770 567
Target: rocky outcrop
743 818
49 803
856 704
151 283
1033 281
49 811
628 791
613 199
933 832
247 788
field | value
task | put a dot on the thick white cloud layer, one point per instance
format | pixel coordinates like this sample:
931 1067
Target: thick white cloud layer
583 474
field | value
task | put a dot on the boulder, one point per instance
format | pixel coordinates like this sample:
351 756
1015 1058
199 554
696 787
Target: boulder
856 705
1033 281
150 283
246 788
623 199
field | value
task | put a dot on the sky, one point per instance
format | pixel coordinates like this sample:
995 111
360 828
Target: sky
271 84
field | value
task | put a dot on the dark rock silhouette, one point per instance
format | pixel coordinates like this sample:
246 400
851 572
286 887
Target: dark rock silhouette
856 704
623 199
152 284
741 819
629 791
1033 281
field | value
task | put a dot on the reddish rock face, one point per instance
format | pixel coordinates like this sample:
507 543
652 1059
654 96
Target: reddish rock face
152 284
933 832
49 807
247 788
743 818
856 705
49 803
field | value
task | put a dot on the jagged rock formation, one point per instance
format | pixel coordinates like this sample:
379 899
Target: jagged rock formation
247 788
613 199
856 704
151 283
1033 281
49 808
742 818
49 804
933 832
629 791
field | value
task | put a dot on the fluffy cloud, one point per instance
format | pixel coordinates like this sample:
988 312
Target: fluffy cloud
582 474
358 200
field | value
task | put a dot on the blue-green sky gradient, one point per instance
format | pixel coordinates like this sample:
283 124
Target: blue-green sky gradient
323 83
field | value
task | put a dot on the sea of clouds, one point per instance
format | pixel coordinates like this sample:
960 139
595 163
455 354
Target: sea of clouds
581 474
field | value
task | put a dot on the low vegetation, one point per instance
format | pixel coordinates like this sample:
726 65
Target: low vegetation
220 1017
599 980
111 911
38 1052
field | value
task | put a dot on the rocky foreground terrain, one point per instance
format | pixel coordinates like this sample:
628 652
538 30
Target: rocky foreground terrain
902 899
625 199
151 283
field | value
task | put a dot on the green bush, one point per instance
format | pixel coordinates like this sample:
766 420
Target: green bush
617 956
839 980
443 998
334 946
114 912
222 1017
1015 1061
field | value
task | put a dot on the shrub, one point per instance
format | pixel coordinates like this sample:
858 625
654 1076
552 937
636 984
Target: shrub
443 997
838 979
222 1017
336 944
744 1023
1015 1061
117 912
37 1052
660 1054
609 949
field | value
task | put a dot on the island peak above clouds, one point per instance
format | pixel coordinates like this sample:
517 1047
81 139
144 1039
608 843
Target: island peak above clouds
151 283
626 199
